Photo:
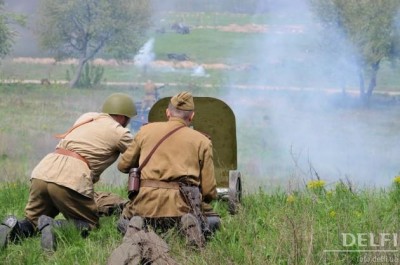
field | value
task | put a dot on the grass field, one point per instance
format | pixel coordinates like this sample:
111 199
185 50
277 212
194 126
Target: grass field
297 226
287 139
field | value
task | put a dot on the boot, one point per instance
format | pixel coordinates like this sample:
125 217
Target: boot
25 229
214 223
122 225
7 230
82 226
48 240
12 230
191 229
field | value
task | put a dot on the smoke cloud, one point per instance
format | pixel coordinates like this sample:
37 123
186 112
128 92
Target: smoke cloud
305 122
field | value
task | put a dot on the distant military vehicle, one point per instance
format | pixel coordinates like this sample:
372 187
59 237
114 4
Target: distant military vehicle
180 28
178 56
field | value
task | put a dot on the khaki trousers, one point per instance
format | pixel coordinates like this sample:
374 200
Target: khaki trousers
46 198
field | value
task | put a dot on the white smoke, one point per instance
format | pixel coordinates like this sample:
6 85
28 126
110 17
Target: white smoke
145 55
199 71
299 122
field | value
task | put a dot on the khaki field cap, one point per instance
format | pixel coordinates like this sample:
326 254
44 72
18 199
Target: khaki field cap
183 101
119 104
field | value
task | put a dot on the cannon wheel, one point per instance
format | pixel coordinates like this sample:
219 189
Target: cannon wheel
235 191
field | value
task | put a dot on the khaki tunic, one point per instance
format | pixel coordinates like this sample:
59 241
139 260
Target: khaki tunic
186 155
100 142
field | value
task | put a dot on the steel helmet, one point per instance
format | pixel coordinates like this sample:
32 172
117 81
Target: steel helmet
119 104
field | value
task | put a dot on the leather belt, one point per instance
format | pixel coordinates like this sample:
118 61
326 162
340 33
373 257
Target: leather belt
73 154
159 184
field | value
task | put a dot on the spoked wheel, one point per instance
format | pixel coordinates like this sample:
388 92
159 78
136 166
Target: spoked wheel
235 191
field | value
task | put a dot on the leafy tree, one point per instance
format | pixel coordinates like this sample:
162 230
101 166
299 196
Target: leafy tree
369 26
83 28
7 35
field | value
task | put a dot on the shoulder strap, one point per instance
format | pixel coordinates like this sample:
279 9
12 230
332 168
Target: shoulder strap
62 136
156 146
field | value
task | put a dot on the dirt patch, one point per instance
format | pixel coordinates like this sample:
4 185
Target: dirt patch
257 28
112 62
189 65
31 60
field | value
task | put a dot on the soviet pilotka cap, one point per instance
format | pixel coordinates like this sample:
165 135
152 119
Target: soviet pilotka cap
183 101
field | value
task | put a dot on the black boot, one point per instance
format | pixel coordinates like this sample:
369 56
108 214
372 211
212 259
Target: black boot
26 229
214 223
82 226
7 230
48 240
12 230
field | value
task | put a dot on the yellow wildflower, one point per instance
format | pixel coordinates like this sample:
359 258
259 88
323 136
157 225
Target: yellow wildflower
396 180
316 184
332 213
290 198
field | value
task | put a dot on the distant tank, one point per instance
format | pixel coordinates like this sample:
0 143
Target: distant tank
180 28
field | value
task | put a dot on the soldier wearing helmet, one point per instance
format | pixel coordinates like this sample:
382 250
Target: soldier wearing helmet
63 180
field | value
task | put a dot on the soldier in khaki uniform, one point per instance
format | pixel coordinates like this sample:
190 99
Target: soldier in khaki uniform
63 180
150 96
184 158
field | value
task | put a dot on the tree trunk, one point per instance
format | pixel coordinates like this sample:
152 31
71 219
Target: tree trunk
362 84
372 82
366 95
78 73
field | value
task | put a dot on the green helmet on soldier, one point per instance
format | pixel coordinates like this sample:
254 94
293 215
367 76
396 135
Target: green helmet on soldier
119 104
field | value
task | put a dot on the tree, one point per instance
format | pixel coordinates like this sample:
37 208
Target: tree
370 28
83 28
7 35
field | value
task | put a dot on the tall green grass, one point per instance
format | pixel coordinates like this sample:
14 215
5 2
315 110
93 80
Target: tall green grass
286 226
